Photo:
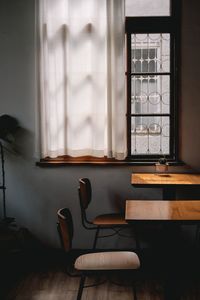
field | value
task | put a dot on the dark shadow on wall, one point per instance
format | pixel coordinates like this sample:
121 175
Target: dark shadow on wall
24 144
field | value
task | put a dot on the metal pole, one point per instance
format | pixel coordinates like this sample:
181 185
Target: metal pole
3 187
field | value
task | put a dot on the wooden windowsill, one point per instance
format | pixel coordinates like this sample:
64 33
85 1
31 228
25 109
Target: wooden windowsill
83 160
89 160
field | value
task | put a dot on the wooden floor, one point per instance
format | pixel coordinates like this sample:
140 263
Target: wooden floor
31 274
56 285
52 283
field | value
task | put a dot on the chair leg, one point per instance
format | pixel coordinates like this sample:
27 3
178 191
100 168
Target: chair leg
81 287
96 237
137 242
134 293
197 235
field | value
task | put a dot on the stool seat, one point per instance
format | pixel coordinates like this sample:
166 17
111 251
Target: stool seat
120 260
109 219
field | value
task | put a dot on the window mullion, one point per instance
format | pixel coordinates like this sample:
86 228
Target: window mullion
128 36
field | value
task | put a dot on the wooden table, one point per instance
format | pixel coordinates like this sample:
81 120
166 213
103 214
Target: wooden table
184 211
169 213
167 181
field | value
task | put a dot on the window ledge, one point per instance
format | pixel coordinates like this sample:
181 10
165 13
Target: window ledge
63 161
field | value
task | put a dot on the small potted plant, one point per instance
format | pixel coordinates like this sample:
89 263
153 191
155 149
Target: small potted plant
162 165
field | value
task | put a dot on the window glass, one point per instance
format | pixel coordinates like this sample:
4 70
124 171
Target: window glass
150 135
139 8
150 53
150 93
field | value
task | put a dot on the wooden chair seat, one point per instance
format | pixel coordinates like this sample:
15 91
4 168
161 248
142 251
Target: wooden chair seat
110 220
120 260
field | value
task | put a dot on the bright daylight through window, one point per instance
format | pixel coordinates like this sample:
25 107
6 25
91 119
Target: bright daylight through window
101 97
151 79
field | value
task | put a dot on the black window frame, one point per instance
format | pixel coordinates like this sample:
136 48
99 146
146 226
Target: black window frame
158 24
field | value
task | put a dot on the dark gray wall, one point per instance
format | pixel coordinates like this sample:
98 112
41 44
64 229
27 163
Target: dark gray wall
190 84
34 194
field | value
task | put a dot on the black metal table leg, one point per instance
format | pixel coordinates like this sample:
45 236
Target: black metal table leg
172 289
169 193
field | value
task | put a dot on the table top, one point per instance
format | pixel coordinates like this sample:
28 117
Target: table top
161 179
162 210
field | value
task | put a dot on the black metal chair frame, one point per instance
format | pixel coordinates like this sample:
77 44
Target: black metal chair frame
83 274
90 226
117 228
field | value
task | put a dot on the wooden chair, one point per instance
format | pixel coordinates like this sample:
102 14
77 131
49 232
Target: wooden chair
114 221
94 262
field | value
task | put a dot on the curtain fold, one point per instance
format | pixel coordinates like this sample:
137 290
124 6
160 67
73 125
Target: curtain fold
82 78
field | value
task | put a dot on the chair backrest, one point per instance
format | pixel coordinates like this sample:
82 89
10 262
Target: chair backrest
85 192
65 228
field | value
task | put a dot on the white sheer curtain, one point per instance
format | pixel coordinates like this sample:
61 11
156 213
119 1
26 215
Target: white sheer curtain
82 84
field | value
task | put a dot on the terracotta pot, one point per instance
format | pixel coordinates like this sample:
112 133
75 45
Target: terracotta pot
161 168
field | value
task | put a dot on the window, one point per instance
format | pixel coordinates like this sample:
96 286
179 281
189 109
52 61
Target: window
151 41
82 108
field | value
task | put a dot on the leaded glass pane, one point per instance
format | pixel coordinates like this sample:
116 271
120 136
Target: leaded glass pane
150 135
147 8
150 53
150 94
